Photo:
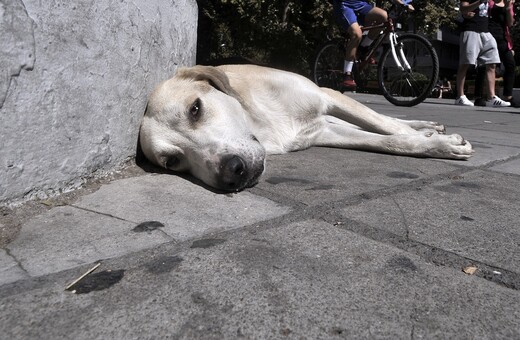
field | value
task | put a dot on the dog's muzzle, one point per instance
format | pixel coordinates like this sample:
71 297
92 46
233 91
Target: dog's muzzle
235 174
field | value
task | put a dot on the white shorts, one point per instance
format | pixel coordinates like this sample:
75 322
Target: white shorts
478 49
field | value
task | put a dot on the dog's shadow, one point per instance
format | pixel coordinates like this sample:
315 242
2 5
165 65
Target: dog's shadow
142 162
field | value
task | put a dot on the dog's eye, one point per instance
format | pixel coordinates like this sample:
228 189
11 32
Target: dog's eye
195 110
172 162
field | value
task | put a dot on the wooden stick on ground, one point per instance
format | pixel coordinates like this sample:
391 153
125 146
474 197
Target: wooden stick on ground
83 276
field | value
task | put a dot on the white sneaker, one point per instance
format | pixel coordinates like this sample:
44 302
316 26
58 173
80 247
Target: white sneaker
497 102
463 100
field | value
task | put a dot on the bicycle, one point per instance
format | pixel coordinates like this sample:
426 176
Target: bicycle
407 70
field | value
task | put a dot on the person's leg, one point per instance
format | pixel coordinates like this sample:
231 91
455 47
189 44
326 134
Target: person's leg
490 77
469 48
370 15
489 56
375 16
354 33
493 100
508 60
461 79
509 77
479 85
347 19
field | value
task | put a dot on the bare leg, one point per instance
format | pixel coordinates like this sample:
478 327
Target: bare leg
490 76
461 79
374 17
354 32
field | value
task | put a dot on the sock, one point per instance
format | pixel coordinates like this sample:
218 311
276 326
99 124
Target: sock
366 41
347 66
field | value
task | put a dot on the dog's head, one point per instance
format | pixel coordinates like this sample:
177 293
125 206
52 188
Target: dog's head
196 123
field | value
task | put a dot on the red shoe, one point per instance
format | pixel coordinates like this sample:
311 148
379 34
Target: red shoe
372 61
348 82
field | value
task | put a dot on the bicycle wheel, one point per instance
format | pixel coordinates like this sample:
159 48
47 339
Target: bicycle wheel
408 87
328 65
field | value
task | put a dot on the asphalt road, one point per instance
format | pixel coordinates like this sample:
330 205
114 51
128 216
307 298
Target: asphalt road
330 244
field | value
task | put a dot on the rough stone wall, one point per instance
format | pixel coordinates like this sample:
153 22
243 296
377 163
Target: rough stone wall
74 78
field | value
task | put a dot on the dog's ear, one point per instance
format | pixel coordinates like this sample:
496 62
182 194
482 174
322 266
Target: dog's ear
215 77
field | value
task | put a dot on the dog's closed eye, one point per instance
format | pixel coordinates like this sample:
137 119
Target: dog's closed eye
172 162
175 161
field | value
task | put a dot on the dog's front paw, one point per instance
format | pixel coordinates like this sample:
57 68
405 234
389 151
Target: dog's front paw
457 147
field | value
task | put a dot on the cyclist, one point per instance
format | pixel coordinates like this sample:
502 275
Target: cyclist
351 15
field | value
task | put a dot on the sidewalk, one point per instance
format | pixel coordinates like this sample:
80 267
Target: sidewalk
330 244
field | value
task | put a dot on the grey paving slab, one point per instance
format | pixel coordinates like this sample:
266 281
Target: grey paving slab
67 237
10 271
305 280
186 209
452 116
475 216
493 121
511 167
491 138
485 153
320 175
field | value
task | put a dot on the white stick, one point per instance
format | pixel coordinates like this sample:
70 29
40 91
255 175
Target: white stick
82 276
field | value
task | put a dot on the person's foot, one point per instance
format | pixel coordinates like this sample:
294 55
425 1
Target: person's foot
363 52
480 102
513 102
497 102
464 101
348 82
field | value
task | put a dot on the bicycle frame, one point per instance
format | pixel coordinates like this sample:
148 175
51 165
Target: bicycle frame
388 30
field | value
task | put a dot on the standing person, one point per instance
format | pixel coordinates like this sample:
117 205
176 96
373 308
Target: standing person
501 19
351 15
477 46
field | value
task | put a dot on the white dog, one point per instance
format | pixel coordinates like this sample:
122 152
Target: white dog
218 123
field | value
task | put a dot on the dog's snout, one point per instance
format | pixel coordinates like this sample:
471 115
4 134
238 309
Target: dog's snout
236 166
233 172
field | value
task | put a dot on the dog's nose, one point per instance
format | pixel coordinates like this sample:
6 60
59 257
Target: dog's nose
233 172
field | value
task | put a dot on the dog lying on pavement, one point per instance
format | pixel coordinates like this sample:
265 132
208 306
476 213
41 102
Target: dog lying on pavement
218 123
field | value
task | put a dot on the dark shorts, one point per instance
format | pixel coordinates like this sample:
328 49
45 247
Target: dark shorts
348 12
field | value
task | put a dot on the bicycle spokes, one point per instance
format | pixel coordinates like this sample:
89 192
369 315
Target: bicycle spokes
408 71
328 66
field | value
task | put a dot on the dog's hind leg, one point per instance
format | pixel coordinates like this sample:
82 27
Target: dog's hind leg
350 110
418 144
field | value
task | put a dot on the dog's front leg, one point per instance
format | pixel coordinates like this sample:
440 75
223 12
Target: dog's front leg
419 144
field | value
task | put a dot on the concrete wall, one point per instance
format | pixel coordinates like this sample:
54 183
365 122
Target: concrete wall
74 78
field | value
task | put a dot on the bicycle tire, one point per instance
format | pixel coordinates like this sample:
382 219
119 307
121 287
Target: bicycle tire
409 88
328 65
